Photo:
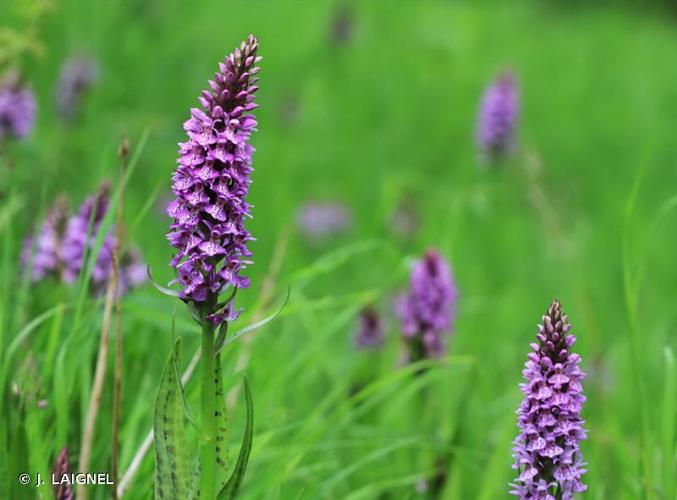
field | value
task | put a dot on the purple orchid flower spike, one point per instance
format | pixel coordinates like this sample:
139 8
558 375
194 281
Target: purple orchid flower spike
497 117
547 451
426 311
80 236
62 488
17 108
42 250
211 185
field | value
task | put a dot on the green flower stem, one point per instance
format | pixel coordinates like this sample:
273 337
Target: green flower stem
208 407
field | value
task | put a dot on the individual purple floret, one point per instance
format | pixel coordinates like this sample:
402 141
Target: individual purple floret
318 221
77 75
211 185
80 237
42 251
427 310
547 453
17 108
370 331
498 114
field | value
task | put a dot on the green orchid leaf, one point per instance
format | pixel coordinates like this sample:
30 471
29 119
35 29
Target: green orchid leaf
229 491
172 460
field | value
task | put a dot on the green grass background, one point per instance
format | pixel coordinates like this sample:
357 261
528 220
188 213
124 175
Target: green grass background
387 115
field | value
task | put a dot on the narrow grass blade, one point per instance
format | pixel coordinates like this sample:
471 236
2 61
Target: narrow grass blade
494 482
4 464
253 326
19 338
668 424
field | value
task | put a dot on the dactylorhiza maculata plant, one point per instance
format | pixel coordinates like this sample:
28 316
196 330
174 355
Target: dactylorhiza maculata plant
547 452
61 244
17 108
208 231
426 311
497 117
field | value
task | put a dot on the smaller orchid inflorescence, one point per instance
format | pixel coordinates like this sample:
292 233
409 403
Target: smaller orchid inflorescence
17 108
426 311
61 473
497 117
547 451
318 221
62 244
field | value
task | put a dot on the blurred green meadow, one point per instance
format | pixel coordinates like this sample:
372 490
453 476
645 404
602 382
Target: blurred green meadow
372 105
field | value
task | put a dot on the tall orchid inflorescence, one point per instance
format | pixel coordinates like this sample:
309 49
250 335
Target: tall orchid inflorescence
17 108
211 185
426 311
547 452
498 115
318 221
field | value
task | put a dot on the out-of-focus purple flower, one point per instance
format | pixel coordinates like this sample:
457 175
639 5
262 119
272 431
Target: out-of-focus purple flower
62 489
211 184
547 452
370 331
63 242
17 108
318 221
77 75
341 28
404 220
498 115
42 251
80 236
427 310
